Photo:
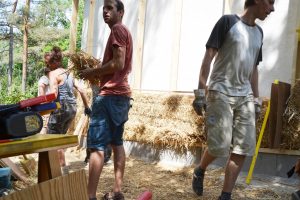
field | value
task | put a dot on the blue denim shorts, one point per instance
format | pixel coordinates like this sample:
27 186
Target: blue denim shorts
109 114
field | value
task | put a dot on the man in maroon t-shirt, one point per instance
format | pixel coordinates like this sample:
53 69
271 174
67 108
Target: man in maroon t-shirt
110 108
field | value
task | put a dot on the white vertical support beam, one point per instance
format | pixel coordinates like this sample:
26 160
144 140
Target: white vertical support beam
73 28
176 45
138 61
90 32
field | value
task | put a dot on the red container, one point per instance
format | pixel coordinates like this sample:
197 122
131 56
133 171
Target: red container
147 195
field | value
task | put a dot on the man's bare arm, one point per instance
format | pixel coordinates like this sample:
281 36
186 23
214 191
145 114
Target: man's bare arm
205 67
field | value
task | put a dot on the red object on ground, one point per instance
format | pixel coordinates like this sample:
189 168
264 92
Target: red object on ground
147 195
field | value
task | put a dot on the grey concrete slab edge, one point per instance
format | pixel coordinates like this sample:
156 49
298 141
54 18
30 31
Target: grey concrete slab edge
267 165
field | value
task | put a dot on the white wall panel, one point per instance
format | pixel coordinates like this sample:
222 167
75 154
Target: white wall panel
158 42
198 19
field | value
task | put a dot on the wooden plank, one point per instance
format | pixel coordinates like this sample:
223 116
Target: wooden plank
138 58
273 114
37 143
16 171
69 187
280 151
283 95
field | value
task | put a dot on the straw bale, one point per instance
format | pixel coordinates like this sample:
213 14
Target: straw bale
167 120
291 120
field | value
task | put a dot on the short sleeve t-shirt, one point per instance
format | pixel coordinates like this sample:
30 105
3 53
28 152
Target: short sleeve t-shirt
117 83
44 81
239 50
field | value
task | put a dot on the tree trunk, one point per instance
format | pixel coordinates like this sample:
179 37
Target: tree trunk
11 50
25 45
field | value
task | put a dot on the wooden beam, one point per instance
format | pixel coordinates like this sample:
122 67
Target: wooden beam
176 45
73 28
280 151
90 31
138 59
48 166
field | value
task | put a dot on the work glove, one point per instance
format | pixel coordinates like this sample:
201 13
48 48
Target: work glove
257 106
199 103
87 111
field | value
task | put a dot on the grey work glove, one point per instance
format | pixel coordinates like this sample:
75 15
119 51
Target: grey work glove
257 106
87 111
199 103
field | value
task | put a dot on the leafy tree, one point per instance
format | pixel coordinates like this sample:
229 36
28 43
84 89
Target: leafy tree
48 26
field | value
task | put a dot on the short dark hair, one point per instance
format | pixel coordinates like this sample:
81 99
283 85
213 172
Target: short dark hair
249 3
119 5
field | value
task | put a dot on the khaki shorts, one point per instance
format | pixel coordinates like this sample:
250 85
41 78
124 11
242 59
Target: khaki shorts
230 123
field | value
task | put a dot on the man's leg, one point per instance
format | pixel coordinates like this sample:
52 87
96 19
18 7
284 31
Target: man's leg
206 159
95 168
119 166
233 168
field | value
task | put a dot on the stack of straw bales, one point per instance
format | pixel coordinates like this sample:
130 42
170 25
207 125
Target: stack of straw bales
165 120
291 120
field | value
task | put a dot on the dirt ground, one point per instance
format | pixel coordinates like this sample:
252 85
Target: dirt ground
176 185
165 184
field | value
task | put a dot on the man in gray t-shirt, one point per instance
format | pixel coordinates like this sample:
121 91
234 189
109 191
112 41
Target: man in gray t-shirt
231 97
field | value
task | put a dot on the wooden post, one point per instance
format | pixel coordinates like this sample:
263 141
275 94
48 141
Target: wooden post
273 113
283 95
280 93
90 33
48 166
73 28
176 45
138 61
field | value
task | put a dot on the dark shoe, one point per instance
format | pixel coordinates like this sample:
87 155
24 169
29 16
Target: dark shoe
197 183
220 198
113 196
225 196
296 195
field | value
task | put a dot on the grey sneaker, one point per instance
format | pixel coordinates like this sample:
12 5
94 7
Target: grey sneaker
197 182
296 195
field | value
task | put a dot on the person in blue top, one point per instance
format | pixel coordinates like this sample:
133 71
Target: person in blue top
231 97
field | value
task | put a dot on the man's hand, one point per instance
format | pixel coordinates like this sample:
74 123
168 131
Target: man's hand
199 103
87 111
257 104
88 73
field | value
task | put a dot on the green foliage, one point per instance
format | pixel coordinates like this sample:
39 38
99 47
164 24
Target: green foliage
48 27
16 95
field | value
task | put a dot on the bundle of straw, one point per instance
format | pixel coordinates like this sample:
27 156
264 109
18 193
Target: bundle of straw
82 60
